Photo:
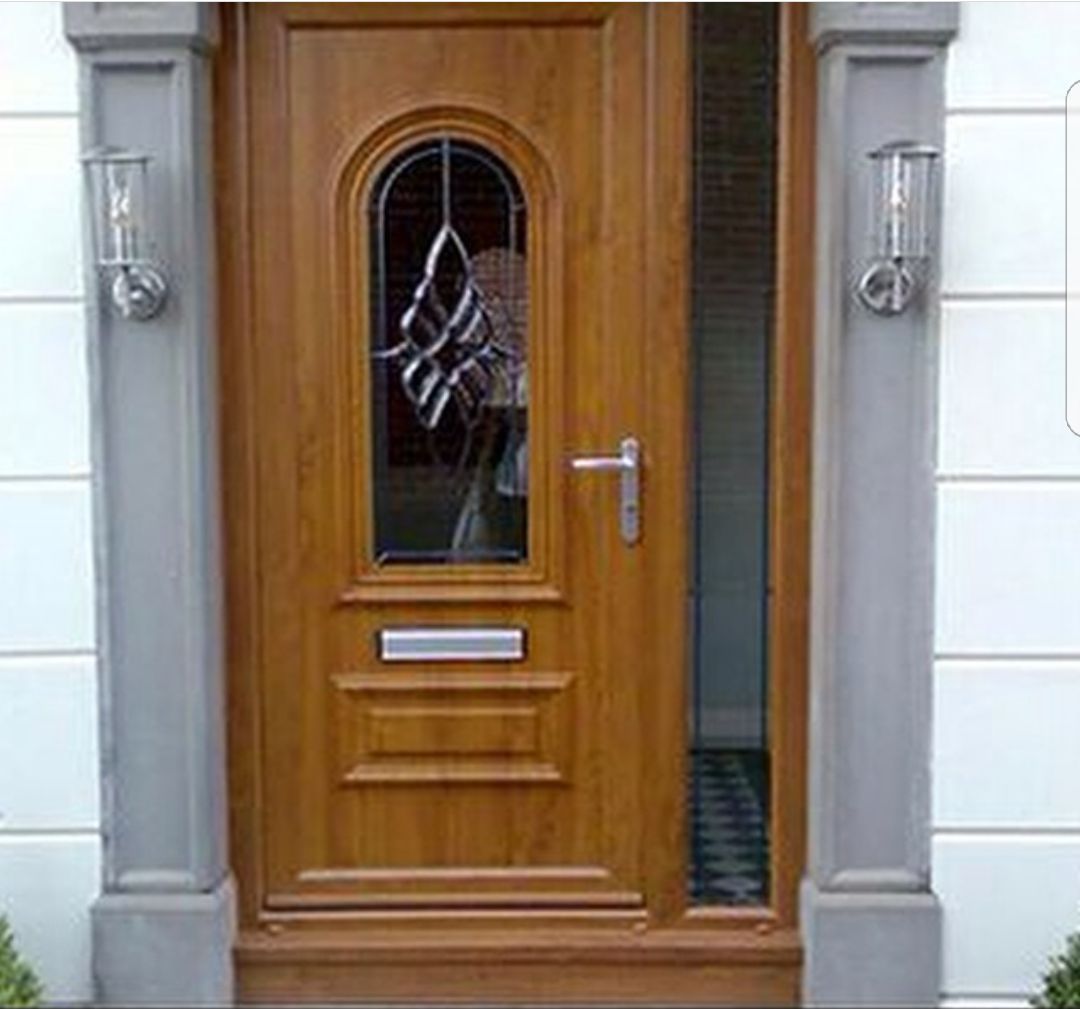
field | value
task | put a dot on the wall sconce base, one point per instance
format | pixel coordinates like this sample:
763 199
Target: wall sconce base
139 292
886 288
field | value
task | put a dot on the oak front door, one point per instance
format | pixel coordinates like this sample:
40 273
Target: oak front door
460 271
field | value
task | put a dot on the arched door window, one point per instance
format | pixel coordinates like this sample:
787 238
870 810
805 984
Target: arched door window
449 347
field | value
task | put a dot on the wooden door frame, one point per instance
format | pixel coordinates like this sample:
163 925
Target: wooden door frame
735 954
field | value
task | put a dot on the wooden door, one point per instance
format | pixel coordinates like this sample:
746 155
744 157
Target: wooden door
469 784
388 804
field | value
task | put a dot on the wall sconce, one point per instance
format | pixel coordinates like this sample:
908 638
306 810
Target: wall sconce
119 209
900 215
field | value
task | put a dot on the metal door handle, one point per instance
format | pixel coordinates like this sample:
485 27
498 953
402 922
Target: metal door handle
628 465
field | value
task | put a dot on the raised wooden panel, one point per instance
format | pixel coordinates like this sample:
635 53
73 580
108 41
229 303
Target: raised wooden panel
411 887
456 728
414 732
451 683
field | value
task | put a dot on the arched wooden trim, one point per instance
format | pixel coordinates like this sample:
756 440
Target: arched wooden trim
359 168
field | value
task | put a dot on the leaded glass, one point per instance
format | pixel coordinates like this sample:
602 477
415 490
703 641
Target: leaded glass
449 317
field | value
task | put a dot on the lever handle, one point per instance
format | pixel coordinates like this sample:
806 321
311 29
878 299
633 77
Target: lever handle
601 462
628 465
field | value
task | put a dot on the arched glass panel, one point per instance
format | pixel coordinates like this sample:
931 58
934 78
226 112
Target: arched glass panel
449 323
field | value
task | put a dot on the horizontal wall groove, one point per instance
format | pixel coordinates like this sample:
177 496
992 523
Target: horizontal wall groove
81 476
1005 110
37 114
41 299
992 997
21 655
90 832
1007 832
966 297
981 661
1012 479
45 836
955 660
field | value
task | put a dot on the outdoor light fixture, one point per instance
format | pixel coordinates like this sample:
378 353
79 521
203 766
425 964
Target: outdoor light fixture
117 185
900 215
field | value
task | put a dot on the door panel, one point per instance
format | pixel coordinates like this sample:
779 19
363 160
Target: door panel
453 784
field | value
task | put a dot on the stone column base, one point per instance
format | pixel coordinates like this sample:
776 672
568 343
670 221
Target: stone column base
870 949
164 948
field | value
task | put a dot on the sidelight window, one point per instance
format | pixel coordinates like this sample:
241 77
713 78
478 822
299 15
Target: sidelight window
734 250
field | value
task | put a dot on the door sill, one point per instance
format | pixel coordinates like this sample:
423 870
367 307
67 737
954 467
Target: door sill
657 968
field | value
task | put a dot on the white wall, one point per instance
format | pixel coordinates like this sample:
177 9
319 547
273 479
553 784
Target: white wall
49 840
1007 713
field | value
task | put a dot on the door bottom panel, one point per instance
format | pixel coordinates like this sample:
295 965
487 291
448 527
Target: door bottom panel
672 967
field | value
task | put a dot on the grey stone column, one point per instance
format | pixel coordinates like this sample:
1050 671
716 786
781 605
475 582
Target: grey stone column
162 929
870 919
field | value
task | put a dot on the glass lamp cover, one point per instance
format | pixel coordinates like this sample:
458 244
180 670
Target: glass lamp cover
901 200
118 190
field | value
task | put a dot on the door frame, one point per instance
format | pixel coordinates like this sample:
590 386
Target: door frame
870 921
750 952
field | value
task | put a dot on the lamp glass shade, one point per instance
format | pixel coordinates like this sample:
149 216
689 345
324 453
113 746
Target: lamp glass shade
902 200
117 185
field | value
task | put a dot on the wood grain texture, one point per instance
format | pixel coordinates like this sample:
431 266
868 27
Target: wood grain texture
591 905
455 728
336 96
555 967
662 749
789 461
540 579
